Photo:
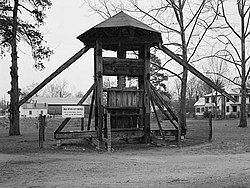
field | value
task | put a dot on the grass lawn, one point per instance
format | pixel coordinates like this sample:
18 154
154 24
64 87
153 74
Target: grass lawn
227 136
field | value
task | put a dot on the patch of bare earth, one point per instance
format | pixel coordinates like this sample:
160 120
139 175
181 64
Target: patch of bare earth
225 162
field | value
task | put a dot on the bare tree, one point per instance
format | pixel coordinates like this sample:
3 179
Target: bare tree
58 88
217 70
235 41
184 24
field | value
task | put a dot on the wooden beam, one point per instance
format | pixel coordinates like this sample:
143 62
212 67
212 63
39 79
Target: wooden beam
157 118
158 103
91 109
196 72
55 73
164 103
99 88
146 54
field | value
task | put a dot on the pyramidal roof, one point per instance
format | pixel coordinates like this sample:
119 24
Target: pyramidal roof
121 28
122 20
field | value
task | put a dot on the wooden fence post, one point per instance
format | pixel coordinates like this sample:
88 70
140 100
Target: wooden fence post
108 132
210 124
82 124
41 129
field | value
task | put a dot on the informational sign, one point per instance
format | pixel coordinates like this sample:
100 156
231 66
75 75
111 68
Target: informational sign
73 111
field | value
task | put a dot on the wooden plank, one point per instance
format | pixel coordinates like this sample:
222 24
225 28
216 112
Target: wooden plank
146 54
55 73
99 90
196 72
91 110
109 132
116 66
123 62
75 134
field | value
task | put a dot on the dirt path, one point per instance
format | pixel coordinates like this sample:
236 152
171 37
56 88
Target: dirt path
125 169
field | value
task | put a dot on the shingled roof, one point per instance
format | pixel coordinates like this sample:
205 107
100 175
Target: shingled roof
121 28
124 20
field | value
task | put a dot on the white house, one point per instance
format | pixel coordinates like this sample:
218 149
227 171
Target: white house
33 109
214 100
55 104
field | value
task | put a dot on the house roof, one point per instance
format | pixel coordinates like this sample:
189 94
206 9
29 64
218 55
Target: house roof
34 106
200 102
57 100
235 91
121 28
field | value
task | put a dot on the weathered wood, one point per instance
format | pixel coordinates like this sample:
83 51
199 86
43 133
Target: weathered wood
42 124
123 98
146 54
196 73
82 124
55 73
128 67
75 134
157 118
109 132
210 124
121 54
91 110
99 90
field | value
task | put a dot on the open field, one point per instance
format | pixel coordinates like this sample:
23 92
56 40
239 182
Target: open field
225 162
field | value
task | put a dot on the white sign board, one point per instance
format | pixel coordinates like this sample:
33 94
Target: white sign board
73 111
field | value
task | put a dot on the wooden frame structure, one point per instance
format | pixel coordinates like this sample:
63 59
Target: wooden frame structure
126 114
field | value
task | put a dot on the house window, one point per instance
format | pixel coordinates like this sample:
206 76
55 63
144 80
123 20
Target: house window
213 99
30 112
234 108
236 98
202 109
227 109
198 110
207 99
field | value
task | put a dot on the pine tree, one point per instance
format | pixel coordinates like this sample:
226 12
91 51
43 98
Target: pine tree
14 28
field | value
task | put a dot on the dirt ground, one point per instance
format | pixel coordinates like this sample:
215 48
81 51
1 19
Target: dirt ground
225 162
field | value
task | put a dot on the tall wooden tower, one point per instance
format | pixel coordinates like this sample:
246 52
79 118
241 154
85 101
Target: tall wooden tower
129 107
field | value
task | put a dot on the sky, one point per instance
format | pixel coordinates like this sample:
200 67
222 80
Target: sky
65 21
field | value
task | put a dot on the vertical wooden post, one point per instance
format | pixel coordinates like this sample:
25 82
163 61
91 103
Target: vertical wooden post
121 53
99 89
146 93
210 124
91 109
82 124
41 130
108 132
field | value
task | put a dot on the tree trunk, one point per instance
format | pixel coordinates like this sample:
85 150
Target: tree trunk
243 114
14 92
182 113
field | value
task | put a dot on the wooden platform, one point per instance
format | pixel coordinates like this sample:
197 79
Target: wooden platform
115 134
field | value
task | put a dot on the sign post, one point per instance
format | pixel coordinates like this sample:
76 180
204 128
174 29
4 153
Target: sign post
74 112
